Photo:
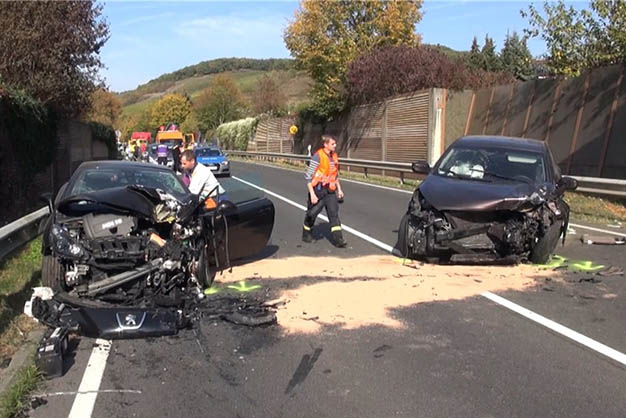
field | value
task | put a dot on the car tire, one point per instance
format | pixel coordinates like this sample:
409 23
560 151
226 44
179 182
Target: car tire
52 273
205 273
545 246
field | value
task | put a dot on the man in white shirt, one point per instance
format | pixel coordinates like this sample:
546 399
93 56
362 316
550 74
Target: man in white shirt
201 179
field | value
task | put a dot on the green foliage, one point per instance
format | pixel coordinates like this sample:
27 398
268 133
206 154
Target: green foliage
325 37
580 40
171 108
516 58
219 103
33 129
491 60
50 49
14 401
106 135
235 135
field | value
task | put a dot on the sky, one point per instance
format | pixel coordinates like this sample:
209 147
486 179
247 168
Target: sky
151 38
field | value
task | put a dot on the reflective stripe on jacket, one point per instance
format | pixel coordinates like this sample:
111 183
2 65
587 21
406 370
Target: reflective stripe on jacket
326 173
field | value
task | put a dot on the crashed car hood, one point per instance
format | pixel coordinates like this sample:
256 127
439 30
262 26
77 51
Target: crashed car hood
136 200
447 193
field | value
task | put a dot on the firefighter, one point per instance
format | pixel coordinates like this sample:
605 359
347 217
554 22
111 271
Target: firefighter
324 191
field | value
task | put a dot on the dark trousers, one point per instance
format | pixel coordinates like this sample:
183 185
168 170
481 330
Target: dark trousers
328 200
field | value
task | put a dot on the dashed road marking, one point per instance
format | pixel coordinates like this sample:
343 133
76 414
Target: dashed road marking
548 323
90 385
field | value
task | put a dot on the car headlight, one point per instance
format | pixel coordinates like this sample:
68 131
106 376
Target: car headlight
63 244
224 162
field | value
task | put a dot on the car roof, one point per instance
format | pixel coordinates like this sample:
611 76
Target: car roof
120 164
505 142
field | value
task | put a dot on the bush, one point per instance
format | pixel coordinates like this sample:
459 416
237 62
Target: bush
235 135
105 134
32 128
393 70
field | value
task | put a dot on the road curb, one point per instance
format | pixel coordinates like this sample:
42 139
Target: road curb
23 356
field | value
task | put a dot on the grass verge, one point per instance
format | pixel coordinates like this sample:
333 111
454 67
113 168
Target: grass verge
583 207
14 400
18 274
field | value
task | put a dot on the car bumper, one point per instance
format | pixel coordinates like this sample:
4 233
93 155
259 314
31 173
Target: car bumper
106 322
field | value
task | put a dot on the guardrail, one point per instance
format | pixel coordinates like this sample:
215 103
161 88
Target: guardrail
594 185
19 232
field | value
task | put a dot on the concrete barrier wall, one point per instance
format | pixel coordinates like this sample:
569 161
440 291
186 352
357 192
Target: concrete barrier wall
74 146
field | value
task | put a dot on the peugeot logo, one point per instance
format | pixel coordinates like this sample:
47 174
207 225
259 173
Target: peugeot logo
130 320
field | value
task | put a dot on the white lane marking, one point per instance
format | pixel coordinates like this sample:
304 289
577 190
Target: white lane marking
567 332
548 323
597 229
393 189
344 227
89 386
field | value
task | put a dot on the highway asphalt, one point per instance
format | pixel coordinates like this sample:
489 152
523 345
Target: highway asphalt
469 357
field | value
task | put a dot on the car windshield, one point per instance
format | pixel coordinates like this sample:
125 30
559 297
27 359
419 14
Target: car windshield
493 164
99 178
209 153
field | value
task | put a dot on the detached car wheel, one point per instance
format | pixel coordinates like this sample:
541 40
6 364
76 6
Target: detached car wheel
545 246
52 273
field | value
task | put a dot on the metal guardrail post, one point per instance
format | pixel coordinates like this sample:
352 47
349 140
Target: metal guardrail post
19 232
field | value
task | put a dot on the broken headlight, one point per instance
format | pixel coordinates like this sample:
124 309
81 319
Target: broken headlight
64 245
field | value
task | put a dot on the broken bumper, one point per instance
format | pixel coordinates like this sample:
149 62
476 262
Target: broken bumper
106 322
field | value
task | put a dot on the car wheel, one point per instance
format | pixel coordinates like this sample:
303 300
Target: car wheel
205 274
52 273
546 244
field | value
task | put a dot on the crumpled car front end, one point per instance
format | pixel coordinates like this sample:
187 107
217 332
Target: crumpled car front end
132 261
465 222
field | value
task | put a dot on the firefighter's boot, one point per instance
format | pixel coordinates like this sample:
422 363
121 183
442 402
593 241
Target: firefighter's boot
337 239
307 235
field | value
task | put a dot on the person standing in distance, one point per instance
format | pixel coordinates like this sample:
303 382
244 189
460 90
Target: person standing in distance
324 191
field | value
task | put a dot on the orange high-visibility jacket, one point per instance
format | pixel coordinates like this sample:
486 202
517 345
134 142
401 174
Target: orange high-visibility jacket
324 174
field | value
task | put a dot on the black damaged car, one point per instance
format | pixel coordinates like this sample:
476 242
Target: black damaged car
487 199
128 249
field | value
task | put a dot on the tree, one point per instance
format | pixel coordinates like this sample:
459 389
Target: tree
393 70
516 58
491 60
171 108
268 98
578 40
51 50
105 108
475 58
325 37
220 102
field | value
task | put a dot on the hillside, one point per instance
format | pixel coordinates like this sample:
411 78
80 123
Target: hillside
193 79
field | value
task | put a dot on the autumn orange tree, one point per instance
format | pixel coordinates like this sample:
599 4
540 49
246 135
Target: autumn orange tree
105 108
170 108
324 37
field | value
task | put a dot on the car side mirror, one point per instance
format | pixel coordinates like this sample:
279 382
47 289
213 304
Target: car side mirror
420 167
226 206
567 184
